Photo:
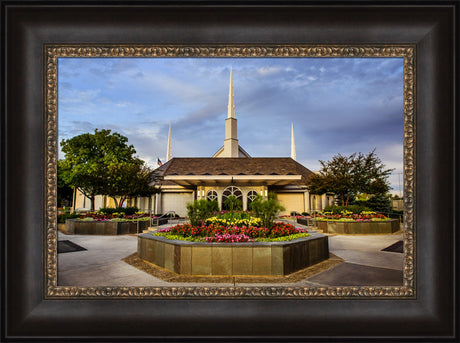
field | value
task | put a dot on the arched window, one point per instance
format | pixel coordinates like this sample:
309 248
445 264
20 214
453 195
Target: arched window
211 195
235 192
252 195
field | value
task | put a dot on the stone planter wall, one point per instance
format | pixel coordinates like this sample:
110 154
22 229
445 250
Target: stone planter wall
359 228
193 258
78 227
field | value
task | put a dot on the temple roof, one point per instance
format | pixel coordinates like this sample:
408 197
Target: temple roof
269 170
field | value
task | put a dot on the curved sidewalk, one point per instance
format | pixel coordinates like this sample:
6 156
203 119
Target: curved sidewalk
100 265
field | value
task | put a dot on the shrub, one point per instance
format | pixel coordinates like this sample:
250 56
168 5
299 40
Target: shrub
126 210
379 203
129 211
266 209
199 210
61 218
108 210
232 203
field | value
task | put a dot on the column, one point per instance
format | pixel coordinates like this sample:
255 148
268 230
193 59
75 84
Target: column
324 201
245 201
158 203
306 196
219 198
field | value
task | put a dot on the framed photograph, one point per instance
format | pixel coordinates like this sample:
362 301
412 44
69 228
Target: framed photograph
73 69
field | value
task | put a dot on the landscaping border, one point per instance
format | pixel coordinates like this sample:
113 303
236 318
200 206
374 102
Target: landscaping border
249 258
359 228
81 227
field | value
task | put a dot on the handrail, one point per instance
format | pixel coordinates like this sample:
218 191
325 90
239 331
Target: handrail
162 216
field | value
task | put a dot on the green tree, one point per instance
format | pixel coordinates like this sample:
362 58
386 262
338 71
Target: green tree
266 209
348 176
64 191
128 179
101 163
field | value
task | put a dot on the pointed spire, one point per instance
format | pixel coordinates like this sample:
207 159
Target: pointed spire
168 151
231 101
293 155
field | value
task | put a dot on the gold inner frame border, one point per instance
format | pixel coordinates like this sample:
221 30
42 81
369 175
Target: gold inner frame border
54 51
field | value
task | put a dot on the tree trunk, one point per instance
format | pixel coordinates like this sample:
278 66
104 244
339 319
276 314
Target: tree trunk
115 200
92 202
348 198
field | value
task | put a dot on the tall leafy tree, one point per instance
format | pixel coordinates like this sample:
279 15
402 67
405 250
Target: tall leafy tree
103 163
347 176
126 179
64 191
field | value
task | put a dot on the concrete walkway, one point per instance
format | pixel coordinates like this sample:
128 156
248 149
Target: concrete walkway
365 263
101 265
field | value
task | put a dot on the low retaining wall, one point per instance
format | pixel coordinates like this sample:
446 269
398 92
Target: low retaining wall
196 258
79 227
359 228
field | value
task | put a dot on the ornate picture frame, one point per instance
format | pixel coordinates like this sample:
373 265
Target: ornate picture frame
35 307
53 53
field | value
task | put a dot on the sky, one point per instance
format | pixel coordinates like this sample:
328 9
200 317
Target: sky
337 105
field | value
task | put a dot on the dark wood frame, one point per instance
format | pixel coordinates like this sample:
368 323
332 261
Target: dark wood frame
28 26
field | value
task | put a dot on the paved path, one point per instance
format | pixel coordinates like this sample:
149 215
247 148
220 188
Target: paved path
101 265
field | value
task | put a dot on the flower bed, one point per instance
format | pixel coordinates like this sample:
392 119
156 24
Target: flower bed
366 222
233 243
231 234
102 223
348 216
114 217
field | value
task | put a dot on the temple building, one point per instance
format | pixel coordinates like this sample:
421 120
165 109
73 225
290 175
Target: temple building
230 171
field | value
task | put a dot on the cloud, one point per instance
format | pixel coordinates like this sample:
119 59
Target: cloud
337 105
264 71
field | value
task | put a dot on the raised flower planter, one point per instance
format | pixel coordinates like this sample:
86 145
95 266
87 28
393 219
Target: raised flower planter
359 227
249 258
81 227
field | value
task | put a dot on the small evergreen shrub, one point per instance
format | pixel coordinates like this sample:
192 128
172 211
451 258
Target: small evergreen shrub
379 203
266 210
129 211
199 210
61 218
126 210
